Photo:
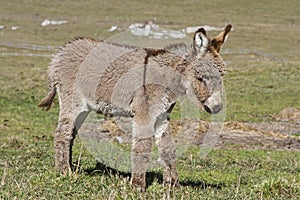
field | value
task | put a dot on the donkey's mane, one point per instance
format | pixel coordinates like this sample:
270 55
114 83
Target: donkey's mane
181 49
100 41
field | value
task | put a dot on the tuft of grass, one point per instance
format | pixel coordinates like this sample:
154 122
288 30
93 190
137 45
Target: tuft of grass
277 187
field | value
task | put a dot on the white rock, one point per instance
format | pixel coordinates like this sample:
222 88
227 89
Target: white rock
193 29
136 25
14 28
47 22
113 28
176 34
58 22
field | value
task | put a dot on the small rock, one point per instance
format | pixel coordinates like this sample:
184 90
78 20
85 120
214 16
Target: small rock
113 28
14 28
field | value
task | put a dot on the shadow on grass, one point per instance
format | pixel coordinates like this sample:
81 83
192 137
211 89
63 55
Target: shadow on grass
103 169
200 184
151 177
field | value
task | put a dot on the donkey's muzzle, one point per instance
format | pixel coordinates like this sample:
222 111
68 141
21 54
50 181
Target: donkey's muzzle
214 109
213 104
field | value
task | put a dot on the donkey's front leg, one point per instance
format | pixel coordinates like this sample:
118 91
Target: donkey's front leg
166 150
141 155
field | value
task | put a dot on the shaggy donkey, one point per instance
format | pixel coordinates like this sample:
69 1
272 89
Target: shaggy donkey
140 83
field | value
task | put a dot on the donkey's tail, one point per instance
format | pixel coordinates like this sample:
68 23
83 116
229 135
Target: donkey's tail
47 100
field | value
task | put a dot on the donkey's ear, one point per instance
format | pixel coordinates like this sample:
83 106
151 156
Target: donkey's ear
220 39
200 42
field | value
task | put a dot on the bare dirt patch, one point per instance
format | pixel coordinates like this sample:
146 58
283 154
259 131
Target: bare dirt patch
281 134
277 135
265 135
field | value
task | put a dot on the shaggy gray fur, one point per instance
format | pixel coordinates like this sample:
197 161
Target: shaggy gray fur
140 83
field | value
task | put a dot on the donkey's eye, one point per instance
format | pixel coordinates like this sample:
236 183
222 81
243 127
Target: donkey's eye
205 77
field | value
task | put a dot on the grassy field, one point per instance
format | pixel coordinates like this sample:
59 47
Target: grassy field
258 86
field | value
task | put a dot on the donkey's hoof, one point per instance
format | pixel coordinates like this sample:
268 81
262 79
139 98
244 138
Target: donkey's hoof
138 181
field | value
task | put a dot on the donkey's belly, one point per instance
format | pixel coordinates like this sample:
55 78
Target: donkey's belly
109 110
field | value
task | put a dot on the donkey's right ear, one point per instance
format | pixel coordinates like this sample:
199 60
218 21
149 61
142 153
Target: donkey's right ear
200 43
220 39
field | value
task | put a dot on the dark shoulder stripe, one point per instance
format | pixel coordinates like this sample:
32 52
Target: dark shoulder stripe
153 52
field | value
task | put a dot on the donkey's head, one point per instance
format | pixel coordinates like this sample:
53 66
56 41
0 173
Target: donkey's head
208 69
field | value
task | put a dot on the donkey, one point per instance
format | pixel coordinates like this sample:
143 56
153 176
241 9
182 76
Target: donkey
140 83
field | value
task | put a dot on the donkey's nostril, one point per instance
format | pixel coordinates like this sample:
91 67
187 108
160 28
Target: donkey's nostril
217 108
207 109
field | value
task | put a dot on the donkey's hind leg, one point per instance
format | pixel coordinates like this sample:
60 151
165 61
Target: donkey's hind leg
70 120
63 140
166 150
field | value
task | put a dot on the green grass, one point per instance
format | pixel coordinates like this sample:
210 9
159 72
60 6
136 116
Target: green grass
221 175
256 88
261 90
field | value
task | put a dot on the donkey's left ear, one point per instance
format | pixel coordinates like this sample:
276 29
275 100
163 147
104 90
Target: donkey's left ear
200 43
220 39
